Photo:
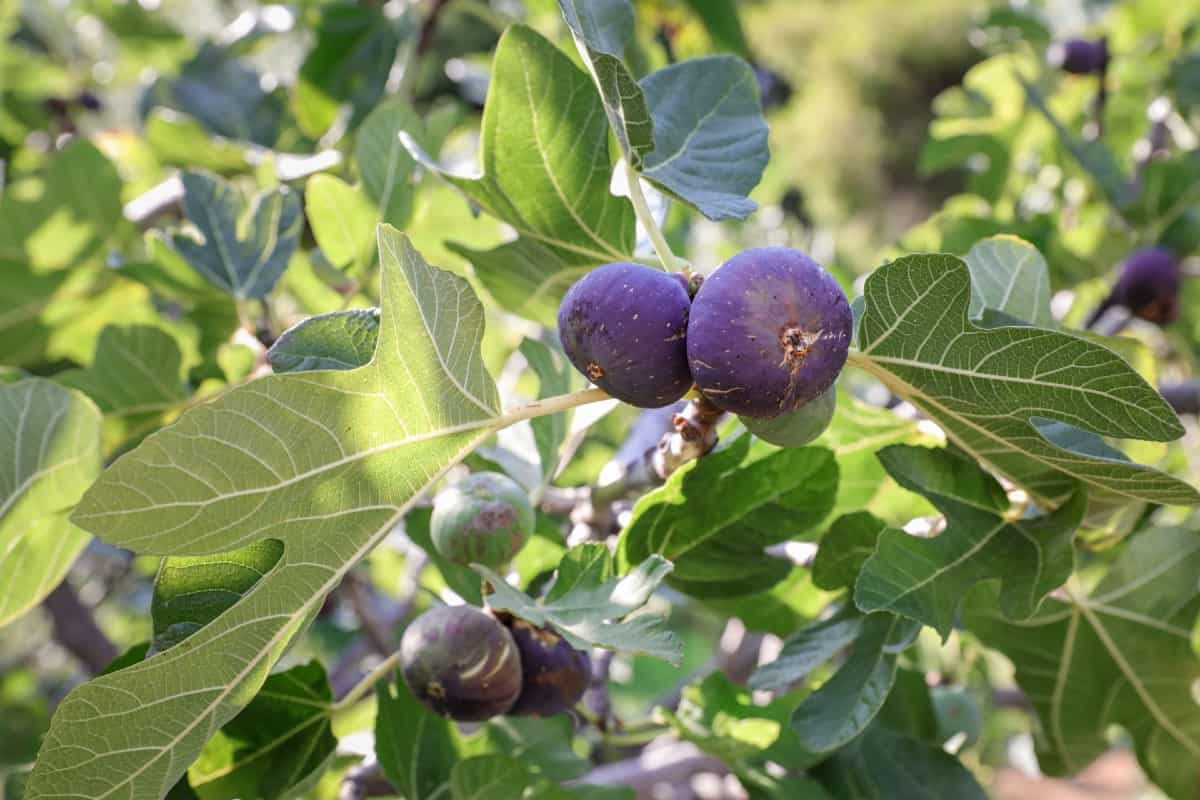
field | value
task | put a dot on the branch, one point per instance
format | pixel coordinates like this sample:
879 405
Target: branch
673 764
365 780
76 630
1183 397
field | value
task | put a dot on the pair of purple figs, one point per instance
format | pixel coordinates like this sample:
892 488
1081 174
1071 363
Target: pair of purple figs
765 335
470 665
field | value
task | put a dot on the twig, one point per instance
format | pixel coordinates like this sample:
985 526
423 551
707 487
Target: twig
1183 397
375 630
76 630
672 763
596 700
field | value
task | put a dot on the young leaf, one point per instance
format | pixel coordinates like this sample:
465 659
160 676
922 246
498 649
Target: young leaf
1008 274
846 703
716 537
50 438
710 139
342 219
602 28
417 749
383 164
338 340
591 613
927 579
1121 655
137 369
244 261
277 458
277 747
546 174
356 46
987 388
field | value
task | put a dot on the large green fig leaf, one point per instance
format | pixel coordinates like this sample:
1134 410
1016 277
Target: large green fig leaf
50 441
1119 655
716 536
927 579
546 172
325 462
999 392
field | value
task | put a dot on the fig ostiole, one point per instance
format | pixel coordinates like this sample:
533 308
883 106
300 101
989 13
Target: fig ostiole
484 519
461 663
799 427
769 331
624 327
554 675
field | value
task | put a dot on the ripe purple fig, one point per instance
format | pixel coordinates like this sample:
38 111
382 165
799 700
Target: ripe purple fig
796 428
769 332
484 519
554 674
623 326
1148 287
1079 56
461 663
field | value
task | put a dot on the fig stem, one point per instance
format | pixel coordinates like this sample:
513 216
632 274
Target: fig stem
368 681
642 209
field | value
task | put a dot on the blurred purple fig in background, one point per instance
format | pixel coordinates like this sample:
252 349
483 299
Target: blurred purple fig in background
1079 56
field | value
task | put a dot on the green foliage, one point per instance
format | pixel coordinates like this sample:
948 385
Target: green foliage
51 436
206 286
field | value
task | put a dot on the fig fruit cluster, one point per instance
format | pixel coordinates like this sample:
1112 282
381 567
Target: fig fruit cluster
763 337
468 665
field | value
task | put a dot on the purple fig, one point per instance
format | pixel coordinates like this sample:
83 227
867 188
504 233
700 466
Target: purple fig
554 674
796 428
1079 56
1148 287
769 332
623 326
484 519
461 663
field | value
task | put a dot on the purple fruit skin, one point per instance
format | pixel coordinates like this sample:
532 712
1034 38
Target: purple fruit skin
461 663
1081 56
623 326
555 675
1149 285
769 331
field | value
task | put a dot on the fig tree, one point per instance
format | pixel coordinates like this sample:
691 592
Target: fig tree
1079 56
461 663
796 428
484 519
623 326
769 331
554 674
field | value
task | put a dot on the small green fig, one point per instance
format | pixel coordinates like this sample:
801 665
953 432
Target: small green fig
461 663
799 427
484 519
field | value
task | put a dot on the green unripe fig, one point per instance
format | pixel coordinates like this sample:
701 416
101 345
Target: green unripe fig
799 427
484 519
